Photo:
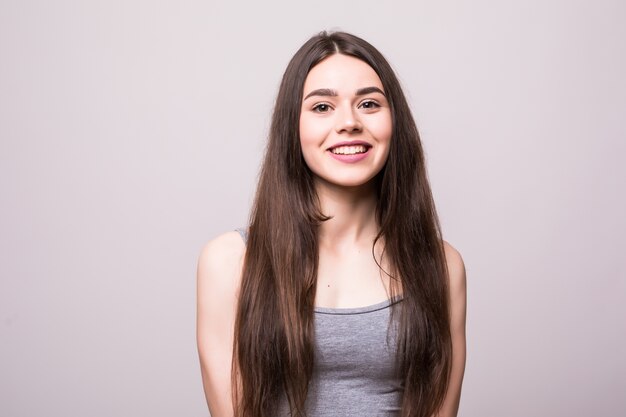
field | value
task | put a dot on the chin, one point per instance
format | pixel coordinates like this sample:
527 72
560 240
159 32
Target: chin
352 183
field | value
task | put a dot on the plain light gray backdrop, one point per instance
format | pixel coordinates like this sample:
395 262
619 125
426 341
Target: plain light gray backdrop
132 132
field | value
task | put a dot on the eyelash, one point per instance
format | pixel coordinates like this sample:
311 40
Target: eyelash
375 104
316 108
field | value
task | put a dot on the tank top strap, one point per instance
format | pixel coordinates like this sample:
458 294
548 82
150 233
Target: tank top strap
244 233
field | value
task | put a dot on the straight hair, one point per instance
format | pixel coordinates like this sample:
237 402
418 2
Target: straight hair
273 355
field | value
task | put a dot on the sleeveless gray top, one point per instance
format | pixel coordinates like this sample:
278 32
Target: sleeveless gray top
354 370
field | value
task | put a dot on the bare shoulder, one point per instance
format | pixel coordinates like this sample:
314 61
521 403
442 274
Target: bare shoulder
219 275
456 274
220 261
456 270
457 283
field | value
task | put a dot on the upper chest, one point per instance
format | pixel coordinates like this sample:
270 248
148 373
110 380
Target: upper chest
350 279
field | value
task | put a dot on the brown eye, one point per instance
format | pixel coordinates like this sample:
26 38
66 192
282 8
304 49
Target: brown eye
321 108
370 104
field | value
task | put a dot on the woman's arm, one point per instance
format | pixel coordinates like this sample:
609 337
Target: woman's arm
456 273
219 274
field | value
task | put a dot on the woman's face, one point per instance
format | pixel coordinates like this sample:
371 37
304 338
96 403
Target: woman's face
345 122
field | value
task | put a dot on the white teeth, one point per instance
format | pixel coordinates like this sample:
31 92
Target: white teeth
349 150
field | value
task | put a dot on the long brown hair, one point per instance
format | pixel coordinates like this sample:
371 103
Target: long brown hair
273 353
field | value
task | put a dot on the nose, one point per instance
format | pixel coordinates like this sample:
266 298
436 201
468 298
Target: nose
348 120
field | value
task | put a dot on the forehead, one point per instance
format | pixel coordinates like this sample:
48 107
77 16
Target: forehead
342 73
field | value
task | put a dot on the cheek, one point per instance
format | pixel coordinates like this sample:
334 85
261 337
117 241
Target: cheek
382 129
311 131
309 140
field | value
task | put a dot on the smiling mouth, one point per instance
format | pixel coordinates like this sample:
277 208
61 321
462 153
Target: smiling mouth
349 150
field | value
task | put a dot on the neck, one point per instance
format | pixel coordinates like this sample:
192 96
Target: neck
353 215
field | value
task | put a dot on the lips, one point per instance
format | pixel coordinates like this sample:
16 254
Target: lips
350 152
350 147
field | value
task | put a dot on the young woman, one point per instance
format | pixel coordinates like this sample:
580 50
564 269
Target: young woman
340 298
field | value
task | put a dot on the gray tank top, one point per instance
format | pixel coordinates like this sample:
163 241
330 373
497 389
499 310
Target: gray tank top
354 372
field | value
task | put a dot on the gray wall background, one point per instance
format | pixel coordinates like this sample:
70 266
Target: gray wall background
132 131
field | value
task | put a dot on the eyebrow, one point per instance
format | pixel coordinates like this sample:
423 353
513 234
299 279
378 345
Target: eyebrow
327 92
